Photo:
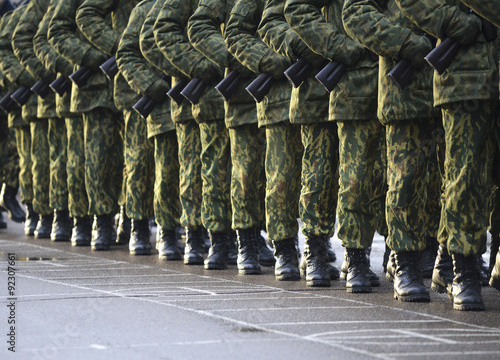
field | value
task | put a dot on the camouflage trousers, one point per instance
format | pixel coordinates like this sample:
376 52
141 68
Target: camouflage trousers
58 158
435 169
469 153
361 183
190 188
23 142
78 204
167 207
103 160
318 195
283 167
9 171
40 166
139 162
215 176
410 144
248 146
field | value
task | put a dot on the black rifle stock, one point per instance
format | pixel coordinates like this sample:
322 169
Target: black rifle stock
260 87
21 95
298 72
109 68
331 74
194 90
81 76
146 105
60 85
175 92
228 85
401 73
7 104
41 88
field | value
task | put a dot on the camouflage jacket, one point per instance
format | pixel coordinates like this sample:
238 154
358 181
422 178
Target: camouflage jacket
182 112
319 25
247 47
205 29
384 31
488 9
52 60
170 31
139 73
102 22
22 43
309 102
70 43
473 74
14 71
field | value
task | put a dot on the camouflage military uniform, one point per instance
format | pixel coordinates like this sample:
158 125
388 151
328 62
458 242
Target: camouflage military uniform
104 33
187 130
469 148
146 80
283 150
170 33
95 101
74 144
9 171
247 140
488 9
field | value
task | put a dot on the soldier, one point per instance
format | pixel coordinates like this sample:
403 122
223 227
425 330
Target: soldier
103 169
75 166
50 125
18 119
148 81
468 117
170 31
102 22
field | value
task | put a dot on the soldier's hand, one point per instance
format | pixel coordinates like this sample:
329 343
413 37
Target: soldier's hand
464 28
415 48
274 64
94 58
239 67
349 52
207 71
158 90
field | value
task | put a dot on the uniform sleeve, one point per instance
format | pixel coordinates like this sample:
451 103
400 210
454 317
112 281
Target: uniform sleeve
9 64
148 46
365 22
22 41
139 74
46 53
63 36
91 20
171 38
488 9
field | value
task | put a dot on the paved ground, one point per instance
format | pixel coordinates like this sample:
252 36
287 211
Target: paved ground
72 303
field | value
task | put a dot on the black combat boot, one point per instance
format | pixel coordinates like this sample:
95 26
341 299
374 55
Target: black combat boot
355 271
232 255
248 252
206 239
166 243
44 226
495 273
3 224
387 253
140 237
484 275
123 228
374 279
31 220
287 260
329 250
442 275
9 202
180 235
195 247
495 244
408 282
266 257
61 226
102 232
390 269
428 257
317 272
466 289
218 252
81 233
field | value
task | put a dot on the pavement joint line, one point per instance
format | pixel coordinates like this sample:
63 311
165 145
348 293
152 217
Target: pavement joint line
442 353
110 276
198 290
293 308
405 343
350 322
336 332
423 336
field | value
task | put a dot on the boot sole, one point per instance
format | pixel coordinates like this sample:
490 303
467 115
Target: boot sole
359 290
412 298
469 307
318 283
59 239
99 247
288 277
80 243
193 262
42 236
170 257
249 271
140 252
